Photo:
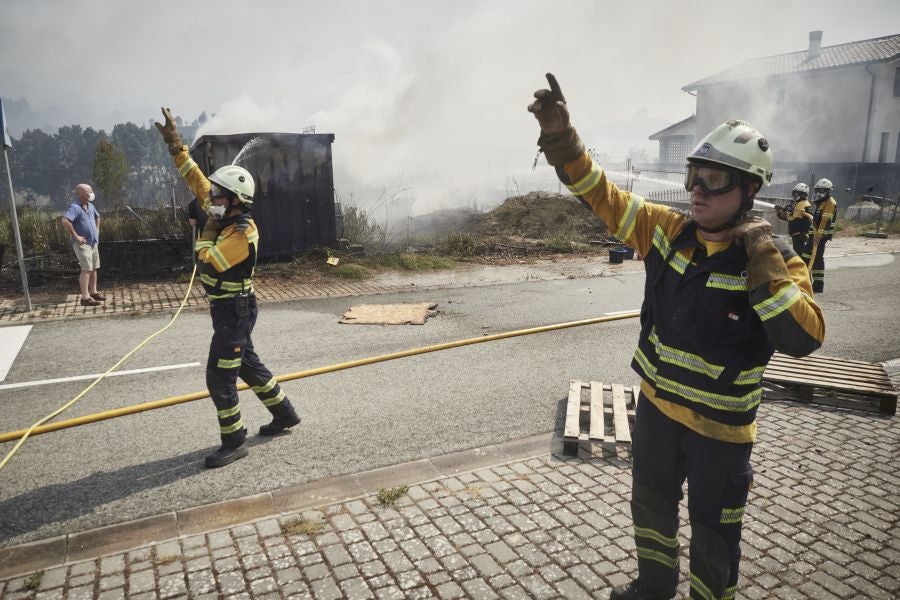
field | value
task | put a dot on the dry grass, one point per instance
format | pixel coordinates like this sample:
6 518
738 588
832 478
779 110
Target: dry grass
303 526
389 496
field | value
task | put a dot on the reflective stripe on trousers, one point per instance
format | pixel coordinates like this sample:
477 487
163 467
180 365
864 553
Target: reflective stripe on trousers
718 474
817 274
231 355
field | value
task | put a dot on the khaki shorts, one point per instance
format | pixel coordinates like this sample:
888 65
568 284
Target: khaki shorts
88 256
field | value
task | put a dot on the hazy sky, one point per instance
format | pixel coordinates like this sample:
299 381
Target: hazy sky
433 92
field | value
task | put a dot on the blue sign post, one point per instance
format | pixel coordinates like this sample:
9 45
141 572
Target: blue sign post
7 143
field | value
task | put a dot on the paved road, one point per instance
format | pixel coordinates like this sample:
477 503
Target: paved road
353 420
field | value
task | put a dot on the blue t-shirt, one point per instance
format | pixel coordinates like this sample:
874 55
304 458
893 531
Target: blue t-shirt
84 220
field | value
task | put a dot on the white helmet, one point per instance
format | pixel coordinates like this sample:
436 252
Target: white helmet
736 144
236 180
823 189
801 188
824 184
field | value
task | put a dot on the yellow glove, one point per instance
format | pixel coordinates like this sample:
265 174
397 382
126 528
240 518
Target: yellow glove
169 132
559 141
765 262
549 108
752 232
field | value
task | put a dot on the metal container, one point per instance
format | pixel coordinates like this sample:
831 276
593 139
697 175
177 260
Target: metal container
294 205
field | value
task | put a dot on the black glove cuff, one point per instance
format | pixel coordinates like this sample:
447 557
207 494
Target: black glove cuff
561 148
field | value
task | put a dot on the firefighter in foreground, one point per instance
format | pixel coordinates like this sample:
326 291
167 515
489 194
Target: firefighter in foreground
226 253
798 214
824 217
721 294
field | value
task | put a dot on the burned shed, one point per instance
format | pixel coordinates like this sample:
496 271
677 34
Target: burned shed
294 203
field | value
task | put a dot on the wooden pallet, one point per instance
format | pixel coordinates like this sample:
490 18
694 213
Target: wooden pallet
832 381
599 418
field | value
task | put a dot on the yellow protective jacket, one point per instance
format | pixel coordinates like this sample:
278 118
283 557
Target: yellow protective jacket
824 218
800 219
711 317
227 256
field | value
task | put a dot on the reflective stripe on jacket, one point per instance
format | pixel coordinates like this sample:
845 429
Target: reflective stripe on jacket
824 218
227 261
708 328
800 219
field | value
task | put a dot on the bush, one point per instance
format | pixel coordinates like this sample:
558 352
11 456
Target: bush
359 229
459 244
43 232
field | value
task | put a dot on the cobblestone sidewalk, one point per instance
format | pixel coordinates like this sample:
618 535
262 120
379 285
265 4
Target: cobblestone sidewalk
823 522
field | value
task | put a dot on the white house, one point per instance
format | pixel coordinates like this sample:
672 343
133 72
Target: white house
832 104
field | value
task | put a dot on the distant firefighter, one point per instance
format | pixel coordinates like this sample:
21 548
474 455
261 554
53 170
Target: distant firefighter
824 218
798 214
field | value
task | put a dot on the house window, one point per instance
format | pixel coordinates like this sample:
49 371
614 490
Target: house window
882 149
897 82
676 148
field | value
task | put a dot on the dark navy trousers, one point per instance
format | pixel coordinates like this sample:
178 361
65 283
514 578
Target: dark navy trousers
718 474
231 355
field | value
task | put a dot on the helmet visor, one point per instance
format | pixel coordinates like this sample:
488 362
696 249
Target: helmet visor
216 191
712 180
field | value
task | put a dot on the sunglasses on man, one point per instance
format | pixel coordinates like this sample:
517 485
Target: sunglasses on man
712 180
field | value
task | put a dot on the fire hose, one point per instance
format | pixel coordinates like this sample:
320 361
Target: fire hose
39 428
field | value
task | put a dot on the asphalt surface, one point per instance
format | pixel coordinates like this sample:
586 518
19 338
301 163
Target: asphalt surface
354 420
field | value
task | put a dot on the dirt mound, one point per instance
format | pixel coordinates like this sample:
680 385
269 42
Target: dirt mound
444 221
539 215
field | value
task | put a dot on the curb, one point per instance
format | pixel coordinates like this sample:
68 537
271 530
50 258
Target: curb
95 543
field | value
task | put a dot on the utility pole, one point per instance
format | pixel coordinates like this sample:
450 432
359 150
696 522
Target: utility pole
7 143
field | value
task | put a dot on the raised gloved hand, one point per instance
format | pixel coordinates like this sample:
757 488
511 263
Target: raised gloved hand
549 108
558 140
169 132
752 232
781 212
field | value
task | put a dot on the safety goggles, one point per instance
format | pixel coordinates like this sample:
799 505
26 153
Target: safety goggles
712 180
216 192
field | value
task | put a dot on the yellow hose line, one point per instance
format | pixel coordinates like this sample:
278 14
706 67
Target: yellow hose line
119 412
37 428
812 258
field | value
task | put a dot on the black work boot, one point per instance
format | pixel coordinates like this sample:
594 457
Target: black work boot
639 590
281 422
225 455
231 450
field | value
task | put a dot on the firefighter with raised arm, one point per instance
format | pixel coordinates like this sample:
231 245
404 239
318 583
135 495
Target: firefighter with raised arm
798 214
721 295
226 257
824 218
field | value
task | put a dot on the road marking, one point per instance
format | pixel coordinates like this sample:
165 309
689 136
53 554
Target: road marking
10 386
11 340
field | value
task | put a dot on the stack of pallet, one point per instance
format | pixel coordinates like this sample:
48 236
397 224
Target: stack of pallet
830 381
